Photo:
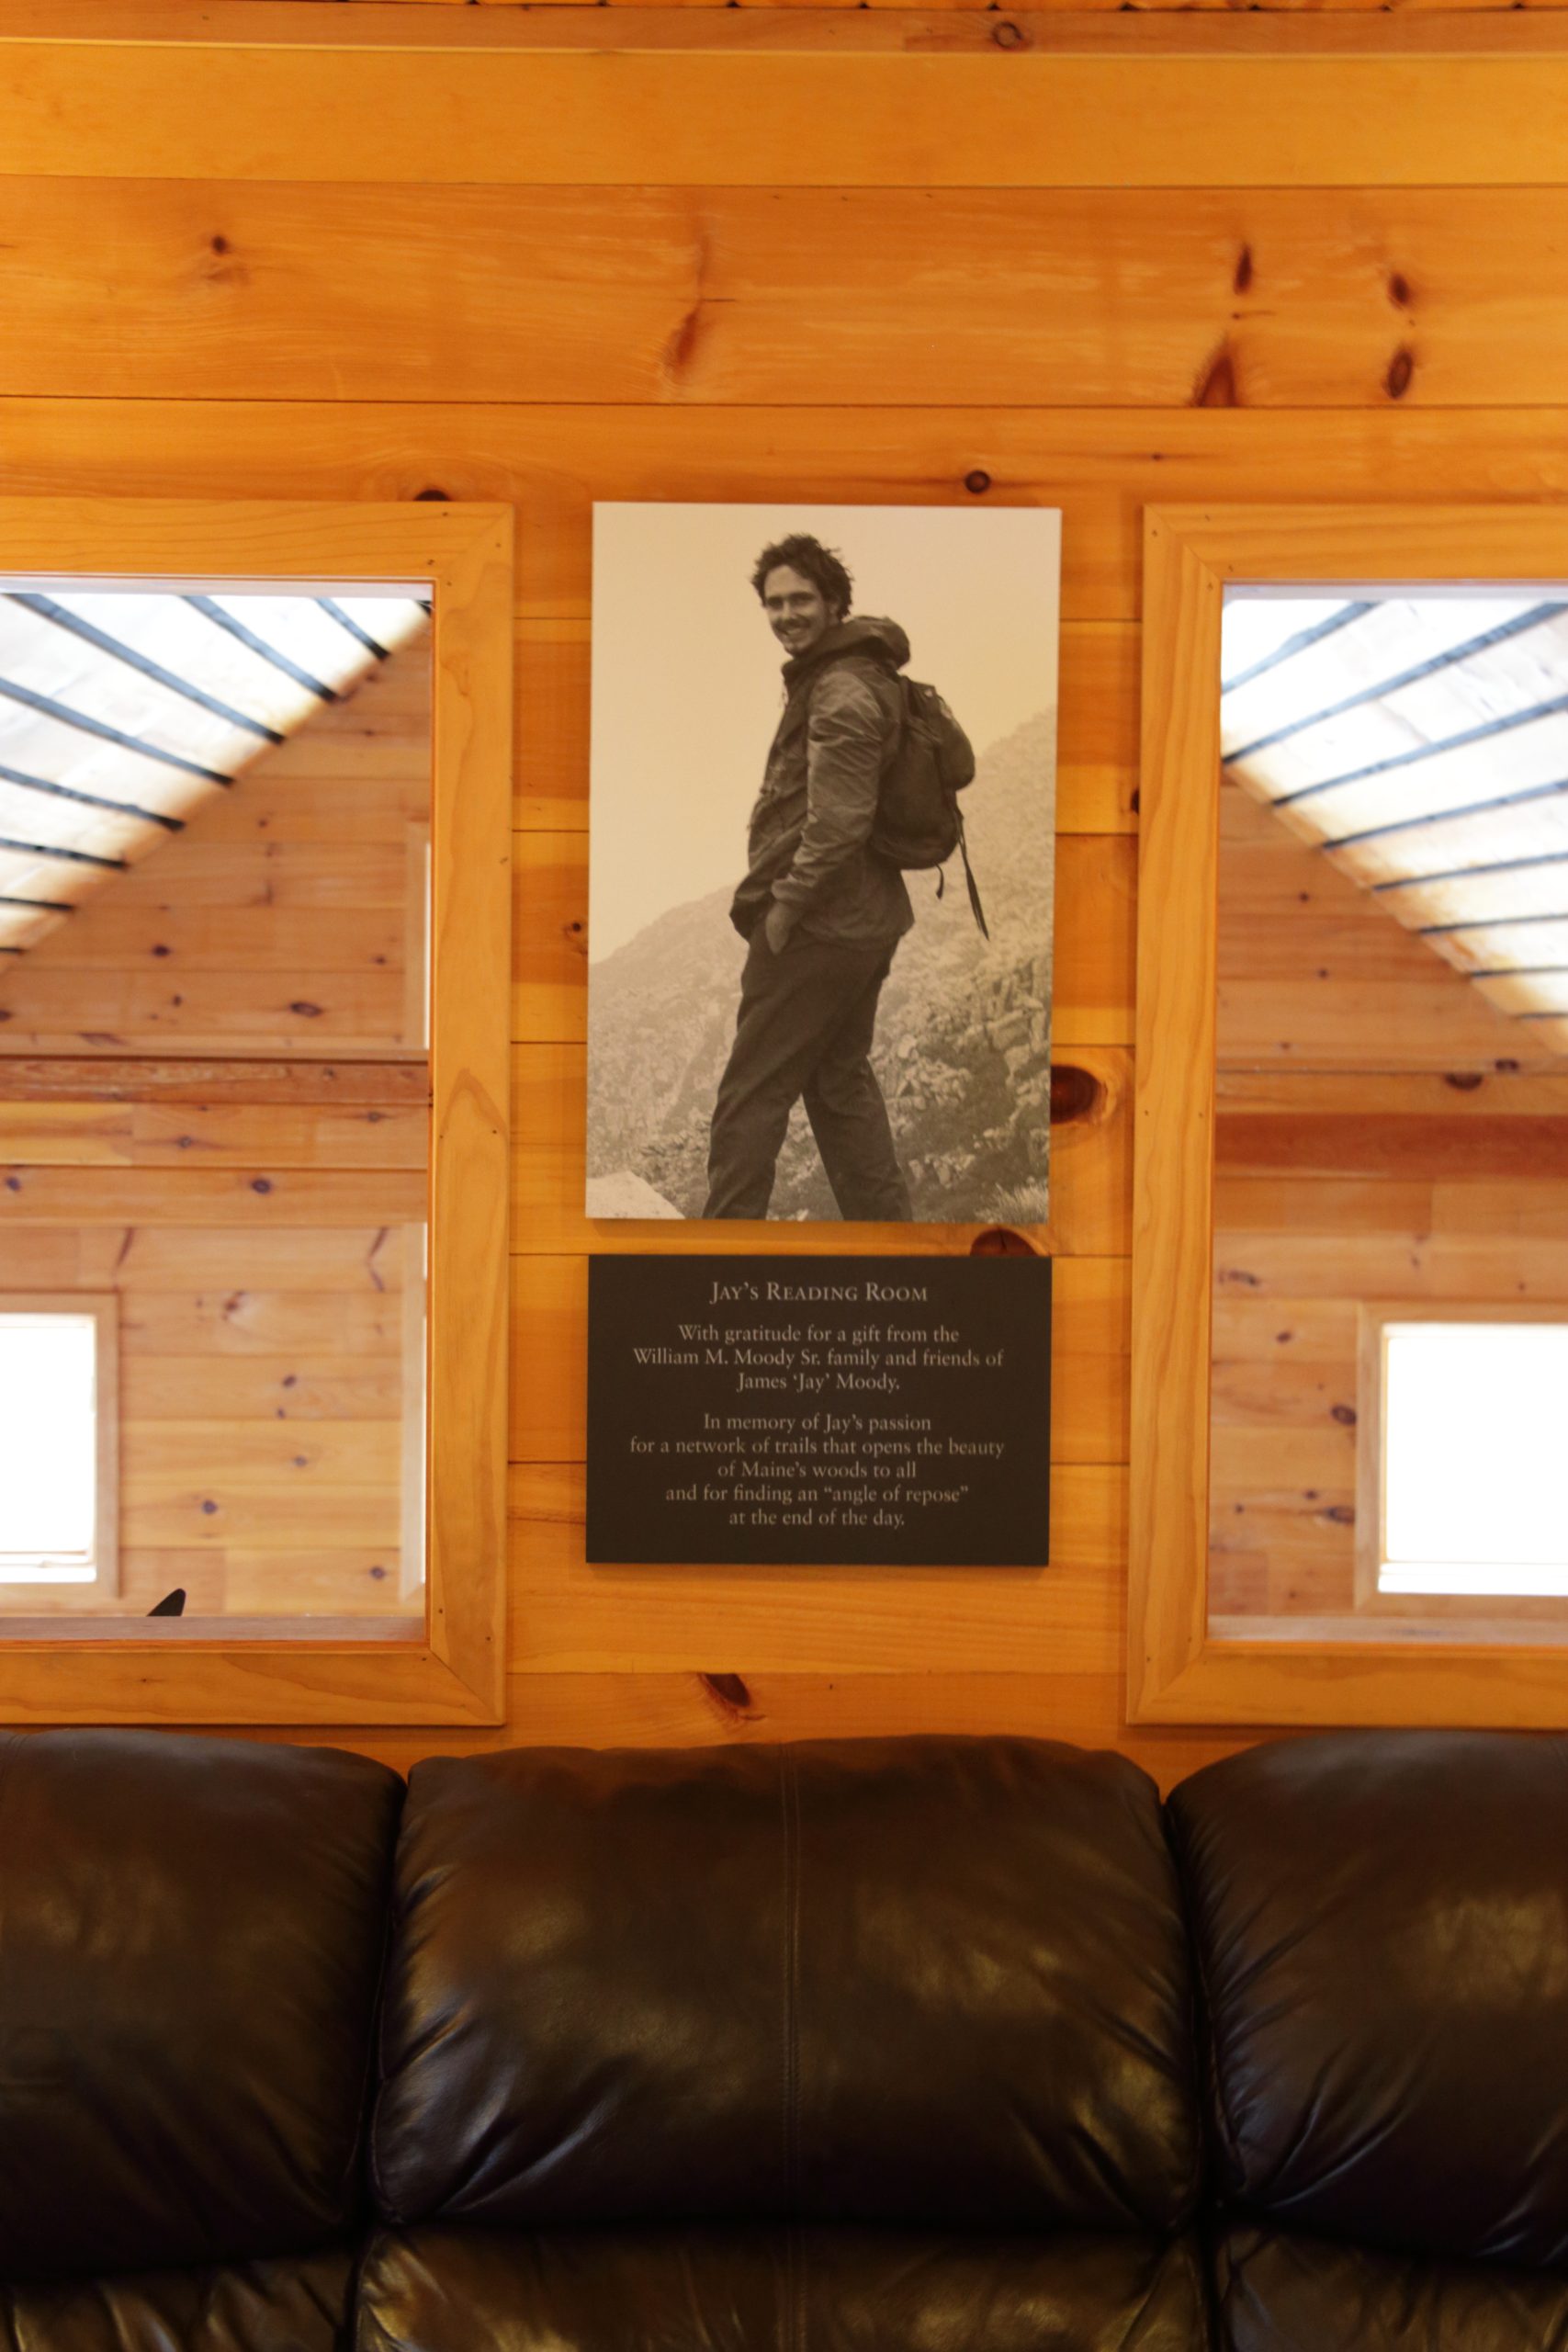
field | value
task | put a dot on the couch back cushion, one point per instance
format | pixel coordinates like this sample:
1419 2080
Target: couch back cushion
191 1934
1381 1921
912 1980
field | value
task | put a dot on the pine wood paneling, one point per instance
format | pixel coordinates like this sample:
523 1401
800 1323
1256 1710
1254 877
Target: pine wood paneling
571 1619
153 1258
201 1196
211 1135
128 930
1101 467
260 1404
1044 298
1203 258
1157 116
336 1385
702 1707
1339 1265
248 1011
190 1080
835 26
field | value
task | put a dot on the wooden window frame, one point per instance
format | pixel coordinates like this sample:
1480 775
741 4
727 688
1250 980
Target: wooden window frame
102 1309
451 1671
417 895
1179 1668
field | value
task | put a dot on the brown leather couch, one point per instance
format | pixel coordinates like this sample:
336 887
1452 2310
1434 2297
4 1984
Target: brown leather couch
931 2045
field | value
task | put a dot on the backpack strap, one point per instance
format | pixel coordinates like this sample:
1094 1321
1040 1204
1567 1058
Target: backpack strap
976 909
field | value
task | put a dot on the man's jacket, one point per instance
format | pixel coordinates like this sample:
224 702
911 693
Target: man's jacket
810 836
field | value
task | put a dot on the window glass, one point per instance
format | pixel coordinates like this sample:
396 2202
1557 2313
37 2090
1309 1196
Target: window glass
48 1446
216 957
1476 1500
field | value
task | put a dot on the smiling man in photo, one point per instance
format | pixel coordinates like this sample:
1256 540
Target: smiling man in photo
821 909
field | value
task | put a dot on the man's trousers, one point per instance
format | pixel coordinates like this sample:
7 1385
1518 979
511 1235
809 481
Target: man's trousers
803 1032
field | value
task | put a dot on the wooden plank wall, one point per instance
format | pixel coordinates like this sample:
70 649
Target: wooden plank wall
1383 1134
1078 260
261 1408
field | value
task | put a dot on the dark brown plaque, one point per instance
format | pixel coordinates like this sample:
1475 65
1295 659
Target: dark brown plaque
891 1411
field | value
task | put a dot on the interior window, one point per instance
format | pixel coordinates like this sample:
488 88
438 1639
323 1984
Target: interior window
1388 1373
56 1433
215 988
1471 1419
1352 1087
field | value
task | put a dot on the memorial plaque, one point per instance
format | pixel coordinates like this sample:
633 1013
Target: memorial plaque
889 1411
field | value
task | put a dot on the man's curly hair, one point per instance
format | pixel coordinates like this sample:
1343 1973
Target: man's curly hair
824 567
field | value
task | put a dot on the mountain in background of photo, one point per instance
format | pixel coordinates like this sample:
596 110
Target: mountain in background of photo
962 1045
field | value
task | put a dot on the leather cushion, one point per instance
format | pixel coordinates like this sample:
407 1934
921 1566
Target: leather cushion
1381 1921
912 1980
300 2304
1282 2293
191 1933
444 2290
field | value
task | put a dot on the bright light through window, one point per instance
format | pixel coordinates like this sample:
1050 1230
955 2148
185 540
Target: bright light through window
48 1451
1475 1458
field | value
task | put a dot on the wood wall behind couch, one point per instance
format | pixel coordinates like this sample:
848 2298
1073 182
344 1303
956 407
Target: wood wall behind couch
279 247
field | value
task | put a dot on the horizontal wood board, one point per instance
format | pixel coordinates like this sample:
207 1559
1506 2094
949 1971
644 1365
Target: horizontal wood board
1258 297
1023 116
1338 26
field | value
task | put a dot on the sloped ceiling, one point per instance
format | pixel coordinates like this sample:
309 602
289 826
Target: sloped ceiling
1421 744
122 713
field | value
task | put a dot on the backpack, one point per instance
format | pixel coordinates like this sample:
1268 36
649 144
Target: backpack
918 821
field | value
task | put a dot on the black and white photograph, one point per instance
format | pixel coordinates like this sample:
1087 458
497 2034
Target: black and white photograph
823 811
